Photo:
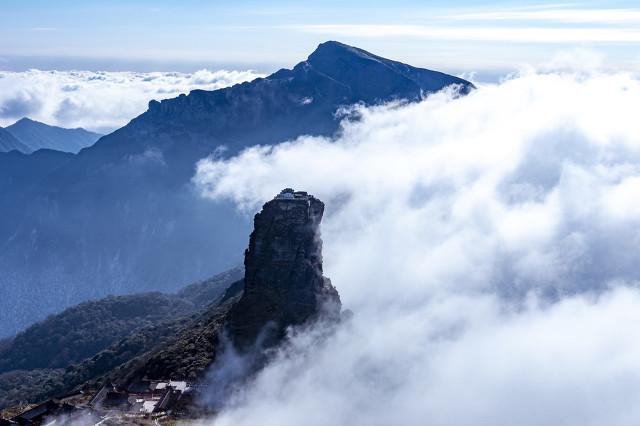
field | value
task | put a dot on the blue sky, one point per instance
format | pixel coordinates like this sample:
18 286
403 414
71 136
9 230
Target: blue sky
463 36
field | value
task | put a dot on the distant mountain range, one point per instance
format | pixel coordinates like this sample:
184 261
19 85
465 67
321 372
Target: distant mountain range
8 142
28 136
121 215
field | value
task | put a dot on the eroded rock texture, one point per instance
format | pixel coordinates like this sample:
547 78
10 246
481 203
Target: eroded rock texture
283 282
283 286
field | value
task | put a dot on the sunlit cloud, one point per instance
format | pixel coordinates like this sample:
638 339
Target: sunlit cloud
487 246
100 101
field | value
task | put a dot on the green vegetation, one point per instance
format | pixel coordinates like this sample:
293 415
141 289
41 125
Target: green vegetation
18 387
86 329
85 342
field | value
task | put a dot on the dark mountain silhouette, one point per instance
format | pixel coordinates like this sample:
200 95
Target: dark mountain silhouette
34 135
121 216
283 281
19 171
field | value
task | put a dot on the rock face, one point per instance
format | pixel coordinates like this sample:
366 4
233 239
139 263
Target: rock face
283 282
283 286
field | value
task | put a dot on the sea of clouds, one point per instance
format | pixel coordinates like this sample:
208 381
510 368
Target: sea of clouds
488 248
98 101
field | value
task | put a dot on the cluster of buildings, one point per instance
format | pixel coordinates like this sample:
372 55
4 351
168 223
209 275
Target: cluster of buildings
142 399
46 412
290 194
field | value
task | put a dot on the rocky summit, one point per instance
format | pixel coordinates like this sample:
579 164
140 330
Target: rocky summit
283 282
283 287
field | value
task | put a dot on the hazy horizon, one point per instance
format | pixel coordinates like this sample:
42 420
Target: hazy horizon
468 36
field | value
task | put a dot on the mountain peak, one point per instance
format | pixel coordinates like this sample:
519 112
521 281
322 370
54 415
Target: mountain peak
27 120
373 79
332 54
283 282
333 48
337 50
35 135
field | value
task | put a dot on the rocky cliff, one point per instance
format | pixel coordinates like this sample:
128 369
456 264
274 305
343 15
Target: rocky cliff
283 287
283 282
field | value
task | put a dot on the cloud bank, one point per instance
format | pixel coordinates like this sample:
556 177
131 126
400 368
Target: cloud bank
99 101
488 247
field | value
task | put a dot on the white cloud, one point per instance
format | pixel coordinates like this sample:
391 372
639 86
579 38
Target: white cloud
459 361
578 58
101 101
488 247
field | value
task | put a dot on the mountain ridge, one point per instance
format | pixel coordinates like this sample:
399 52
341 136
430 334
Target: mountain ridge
34 135
123 214
9 143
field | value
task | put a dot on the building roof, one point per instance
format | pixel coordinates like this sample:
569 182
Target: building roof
38 411
290 194
179 386
149 406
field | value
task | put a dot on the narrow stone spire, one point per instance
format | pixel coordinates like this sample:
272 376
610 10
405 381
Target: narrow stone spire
283 282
